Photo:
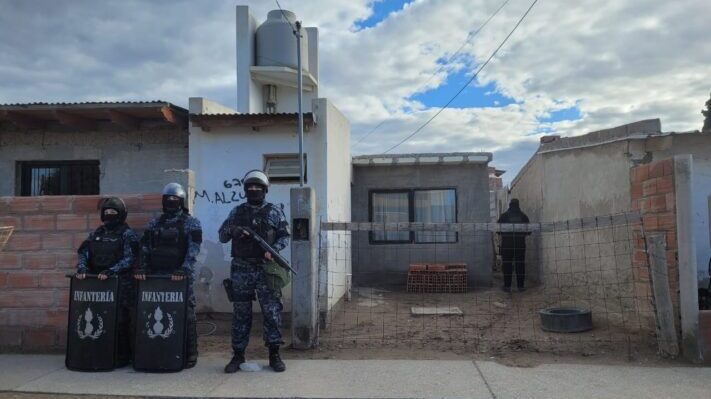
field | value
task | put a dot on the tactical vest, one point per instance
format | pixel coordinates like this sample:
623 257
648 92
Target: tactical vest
169 244
106 249
258 220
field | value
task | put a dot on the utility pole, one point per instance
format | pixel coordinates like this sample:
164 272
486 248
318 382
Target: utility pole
300 84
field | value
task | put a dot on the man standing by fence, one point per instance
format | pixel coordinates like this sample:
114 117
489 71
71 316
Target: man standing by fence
513 247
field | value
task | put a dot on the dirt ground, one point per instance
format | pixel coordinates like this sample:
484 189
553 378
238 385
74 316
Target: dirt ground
378 324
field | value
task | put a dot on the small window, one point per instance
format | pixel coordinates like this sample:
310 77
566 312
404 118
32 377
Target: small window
392 207
284 168
422 206
59 178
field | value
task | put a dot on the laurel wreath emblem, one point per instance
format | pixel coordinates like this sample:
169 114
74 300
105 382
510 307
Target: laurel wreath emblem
97 332
165 334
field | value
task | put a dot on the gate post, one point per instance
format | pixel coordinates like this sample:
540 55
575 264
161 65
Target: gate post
304 259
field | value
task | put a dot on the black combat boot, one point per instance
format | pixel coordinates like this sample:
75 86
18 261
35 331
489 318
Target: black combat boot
275 361
233 365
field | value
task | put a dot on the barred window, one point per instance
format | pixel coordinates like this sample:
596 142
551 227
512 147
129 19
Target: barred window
58 178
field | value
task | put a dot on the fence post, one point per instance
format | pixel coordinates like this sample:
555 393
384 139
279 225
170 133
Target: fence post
659 273
304 256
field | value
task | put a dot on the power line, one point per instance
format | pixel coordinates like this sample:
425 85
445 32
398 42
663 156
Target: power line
468 82
284 15
468 39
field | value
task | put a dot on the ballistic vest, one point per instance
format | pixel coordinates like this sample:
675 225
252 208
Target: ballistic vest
106 248
258 220
169 244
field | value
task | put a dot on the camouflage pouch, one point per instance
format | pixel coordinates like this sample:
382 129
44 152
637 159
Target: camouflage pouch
277 277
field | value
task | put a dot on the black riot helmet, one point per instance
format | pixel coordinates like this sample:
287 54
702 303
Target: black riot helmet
116 204
173 190
259 179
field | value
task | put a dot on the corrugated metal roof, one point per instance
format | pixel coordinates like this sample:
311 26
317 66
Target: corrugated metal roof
86 103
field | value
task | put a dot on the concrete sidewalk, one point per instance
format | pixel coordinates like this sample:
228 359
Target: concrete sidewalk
363 379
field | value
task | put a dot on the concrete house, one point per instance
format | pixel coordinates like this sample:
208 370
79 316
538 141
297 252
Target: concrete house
420 188
90 148
262 134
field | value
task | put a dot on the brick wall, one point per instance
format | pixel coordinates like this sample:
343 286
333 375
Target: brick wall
654 196
34 293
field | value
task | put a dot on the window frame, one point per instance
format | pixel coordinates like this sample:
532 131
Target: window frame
411 214
282 180
24 174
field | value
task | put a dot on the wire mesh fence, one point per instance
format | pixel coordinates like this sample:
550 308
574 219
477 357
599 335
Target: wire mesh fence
446 286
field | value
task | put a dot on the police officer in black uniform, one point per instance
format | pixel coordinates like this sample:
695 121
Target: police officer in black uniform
253 271
111 250
513 247
170 245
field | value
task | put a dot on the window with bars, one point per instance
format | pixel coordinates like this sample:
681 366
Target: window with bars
415 205
58 178
284 168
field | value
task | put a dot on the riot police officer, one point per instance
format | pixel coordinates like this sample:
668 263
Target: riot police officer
253 271
170 245
111 250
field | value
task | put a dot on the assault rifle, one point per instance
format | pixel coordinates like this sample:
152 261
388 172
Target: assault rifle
280 260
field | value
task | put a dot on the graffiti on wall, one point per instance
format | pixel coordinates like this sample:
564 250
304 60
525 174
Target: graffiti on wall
230 193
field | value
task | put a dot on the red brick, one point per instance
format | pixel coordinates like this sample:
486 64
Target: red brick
3 279
650 222
20 279
671 201
56 203
57 241
139 220
10 337
57 318
94 220
86 204
39 338
67 260
636 190
24 204
38 222
640 173
41 260
13 221
705 333
668 167
62 299
644 205
78 239
71 222
671 240
649 187
635 205
53 280
658 203
640 256
665 184
152 203
656 169
133 203
23 242
25 298
9 260
667 221
671 261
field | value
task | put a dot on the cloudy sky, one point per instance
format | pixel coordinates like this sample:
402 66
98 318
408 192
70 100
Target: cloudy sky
573 65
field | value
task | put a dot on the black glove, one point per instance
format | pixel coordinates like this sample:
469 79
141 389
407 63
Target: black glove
107 272
178 274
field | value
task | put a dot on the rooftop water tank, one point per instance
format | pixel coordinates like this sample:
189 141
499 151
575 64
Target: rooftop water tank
276 43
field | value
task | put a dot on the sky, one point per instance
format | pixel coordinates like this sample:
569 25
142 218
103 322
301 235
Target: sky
571 67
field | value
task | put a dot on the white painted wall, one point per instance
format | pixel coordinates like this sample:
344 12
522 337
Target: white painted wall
701 182
221 157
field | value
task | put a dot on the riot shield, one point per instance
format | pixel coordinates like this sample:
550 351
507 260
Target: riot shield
161 307
91 332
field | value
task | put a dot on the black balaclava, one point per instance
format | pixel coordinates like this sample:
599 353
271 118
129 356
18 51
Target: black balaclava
255 197
112 221
514 204
172 206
